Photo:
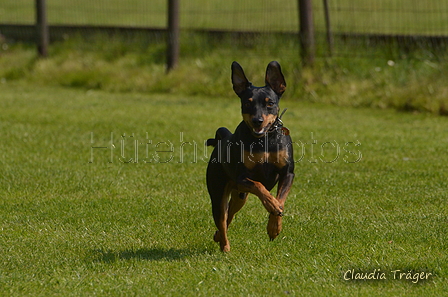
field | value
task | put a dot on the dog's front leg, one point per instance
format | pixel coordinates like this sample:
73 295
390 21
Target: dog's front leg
275 222
272 205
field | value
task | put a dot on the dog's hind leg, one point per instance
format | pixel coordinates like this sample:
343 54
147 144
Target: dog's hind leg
237 201
219 190
220 208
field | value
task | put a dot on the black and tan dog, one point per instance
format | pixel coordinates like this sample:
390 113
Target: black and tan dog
253 159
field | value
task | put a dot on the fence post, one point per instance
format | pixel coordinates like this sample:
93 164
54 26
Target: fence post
42 28
306 32
328 28
173 34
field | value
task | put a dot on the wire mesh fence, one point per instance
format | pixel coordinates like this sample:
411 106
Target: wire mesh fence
348 18
397 17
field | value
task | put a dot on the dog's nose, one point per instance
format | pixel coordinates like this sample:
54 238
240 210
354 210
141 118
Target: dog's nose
257 121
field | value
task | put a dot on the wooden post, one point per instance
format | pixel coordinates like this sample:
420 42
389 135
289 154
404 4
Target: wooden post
306 32
42 28
173 34
328 28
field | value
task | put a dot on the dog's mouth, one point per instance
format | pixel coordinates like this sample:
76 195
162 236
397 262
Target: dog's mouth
259 127
260 131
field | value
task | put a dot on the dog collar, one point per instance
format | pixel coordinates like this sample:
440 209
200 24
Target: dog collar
278 125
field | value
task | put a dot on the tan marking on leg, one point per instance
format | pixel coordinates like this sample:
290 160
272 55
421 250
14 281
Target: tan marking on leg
275 222
274 226
221 235
235 204
269 202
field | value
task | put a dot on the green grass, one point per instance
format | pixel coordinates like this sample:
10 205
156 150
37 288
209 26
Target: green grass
70 227
379 76
73 225
348 16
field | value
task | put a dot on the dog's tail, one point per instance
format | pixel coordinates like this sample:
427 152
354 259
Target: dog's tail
221 133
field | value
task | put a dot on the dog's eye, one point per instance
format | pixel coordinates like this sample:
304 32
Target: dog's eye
270 104
247 104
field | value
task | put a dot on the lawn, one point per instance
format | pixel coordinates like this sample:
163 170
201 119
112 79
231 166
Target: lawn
80 217
347 16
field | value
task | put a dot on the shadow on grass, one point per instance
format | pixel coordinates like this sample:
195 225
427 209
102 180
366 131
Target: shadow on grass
154 254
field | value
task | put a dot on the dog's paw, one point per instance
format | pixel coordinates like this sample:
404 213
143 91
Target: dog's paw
274 226
225 246
273 207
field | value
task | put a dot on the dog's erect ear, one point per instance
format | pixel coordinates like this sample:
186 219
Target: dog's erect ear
274 78
239 80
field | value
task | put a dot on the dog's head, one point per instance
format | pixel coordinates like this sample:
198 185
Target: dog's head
259 105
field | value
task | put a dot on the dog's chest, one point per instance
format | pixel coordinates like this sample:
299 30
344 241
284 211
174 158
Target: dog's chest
277 159
270 149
